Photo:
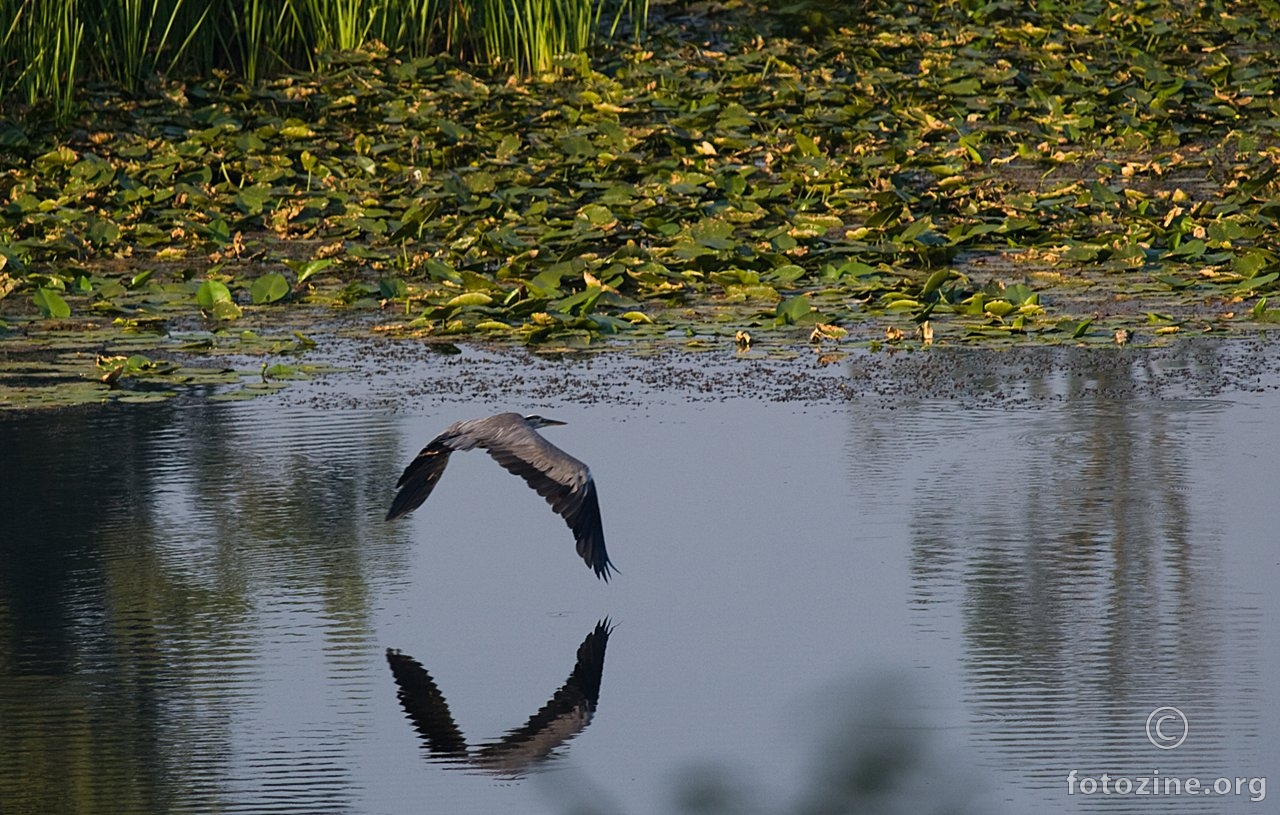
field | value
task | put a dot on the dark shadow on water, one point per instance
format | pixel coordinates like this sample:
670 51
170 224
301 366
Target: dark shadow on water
871 756
870 751
563 717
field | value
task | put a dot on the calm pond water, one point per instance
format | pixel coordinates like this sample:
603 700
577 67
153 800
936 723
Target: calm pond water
955 580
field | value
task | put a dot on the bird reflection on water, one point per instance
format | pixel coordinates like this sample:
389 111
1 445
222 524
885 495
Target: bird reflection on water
564 716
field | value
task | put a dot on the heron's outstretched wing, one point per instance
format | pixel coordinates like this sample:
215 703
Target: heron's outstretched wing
420 477
565 482
423 473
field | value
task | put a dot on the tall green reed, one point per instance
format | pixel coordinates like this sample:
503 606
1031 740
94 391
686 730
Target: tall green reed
40 52
137 39
263 36
530 36
420 27
44 52
336 25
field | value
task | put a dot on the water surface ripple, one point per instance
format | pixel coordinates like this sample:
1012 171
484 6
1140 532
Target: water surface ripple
203 611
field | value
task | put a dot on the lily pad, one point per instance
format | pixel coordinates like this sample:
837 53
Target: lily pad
269 288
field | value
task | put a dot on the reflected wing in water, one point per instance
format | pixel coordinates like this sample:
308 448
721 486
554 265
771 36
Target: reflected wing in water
426 707
566 715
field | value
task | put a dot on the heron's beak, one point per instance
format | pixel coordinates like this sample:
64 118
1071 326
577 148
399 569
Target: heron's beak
552 422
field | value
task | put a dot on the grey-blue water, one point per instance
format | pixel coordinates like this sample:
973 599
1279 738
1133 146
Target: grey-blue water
885 601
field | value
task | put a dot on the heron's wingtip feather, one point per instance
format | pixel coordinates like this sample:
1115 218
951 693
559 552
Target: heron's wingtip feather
588 531
419 479
396 512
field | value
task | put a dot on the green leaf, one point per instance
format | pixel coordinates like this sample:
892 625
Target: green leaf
138 362
1175 283
1190 249
1021 294
252 200
807 145
54 159
392 288
282 371
788 273
962 87
546 283
471 298
269 288
935 281
51 304
793 309
212 292
306 268
1258 282
225 310
580 303
854 268
1252 262
597 215
916 229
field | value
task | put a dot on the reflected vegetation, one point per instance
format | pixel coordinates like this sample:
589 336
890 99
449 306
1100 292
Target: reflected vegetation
1086 584
156 560
563 717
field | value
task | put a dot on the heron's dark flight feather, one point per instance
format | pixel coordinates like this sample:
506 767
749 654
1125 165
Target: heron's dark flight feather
419 479
564 481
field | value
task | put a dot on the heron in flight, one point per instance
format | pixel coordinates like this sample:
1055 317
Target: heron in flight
514 443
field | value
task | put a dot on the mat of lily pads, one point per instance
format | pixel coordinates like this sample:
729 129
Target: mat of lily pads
970 173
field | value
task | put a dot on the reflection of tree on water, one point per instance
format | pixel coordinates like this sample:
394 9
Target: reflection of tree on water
1089 585
143 547
79 685
564 716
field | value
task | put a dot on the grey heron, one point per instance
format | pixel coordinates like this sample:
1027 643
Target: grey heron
512 440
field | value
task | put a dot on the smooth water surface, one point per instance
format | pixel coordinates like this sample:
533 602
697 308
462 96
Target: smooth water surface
884 601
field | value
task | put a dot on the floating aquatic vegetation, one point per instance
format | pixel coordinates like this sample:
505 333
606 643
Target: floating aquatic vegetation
1002 175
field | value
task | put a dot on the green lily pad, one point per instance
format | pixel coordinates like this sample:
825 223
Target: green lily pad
269 288
51 304
212 292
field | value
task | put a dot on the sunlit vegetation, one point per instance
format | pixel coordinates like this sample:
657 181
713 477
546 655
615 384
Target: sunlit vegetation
1090 172
40 47
52 47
